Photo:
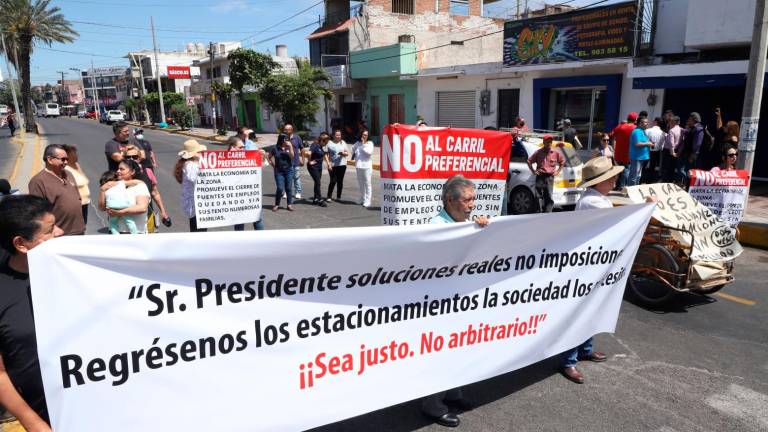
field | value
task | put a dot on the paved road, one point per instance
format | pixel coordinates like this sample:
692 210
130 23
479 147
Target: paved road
698 366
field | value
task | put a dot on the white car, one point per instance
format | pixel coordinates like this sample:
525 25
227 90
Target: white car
521 184
81 114
112 116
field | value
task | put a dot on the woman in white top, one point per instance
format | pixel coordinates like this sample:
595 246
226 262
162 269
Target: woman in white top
362 153
185 172
338 153
605 148
81 180
138 197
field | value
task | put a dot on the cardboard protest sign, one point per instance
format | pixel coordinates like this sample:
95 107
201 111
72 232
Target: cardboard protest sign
713 239
228 323
723 192
228 188
416 162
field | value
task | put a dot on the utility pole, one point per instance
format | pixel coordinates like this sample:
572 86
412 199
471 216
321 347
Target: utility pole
157 69
82 85
137 60
750 117
13 86
93 89
61 89
211 54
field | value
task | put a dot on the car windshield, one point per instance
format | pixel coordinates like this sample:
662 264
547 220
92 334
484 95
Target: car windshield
115 112
572 158
52 106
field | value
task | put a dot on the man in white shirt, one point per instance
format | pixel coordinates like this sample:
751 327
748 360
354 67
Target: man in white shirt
656 136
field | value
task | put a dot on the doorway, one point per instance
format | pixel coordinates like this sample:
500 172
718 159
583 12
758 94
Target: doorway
508 107
585 107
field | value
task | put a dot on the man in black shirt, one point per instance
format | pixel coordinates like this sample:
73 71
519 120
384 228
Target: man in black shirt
114 148
25 222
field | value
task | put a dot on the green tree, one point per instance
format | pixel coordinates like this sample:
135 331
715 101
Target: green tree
223 92
295 97
6 96
248 67
152 100
184 115
26 23
130 107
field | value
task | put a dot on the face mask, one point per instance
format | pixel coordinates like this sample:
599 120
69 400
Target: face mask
140 136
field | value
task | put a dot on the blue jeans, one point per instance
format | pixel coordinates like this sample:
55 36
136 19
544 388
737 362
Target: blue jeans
635 171
296 180
258 226
284 181
571 357
622 180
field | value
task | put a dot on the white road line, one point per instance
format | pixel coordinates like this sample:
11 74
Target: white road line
742 403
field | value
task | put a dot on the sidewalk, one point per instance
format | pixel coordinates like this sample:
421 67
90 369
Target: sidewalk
753 229
21 158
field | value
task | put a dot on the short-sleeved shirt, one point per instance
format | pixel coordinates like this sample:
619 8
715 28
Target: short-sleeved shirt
635 152
333 152
283 161
569 134
188 181
592 199
298 145
63 194
547 161
621 135
111 147
147 147
442 218
18 343
140 220
249 145
316 155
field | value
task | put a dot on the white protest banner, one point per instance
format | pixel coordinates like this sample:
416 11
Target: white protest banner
271 331
713 239
416 162
723 192
228 188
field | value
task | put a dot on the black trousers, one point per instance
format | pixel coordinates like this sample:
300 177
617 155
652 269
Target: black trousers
337 179
193 226
317 174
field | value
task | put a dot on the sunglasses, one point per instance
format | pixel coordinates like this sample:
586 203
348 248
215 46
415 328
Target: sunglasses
63 159
606 139
732 154
133 157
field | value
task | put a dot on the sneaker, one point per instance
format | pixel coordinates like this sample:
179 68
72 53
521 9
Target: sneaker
285 196
297 196
329 199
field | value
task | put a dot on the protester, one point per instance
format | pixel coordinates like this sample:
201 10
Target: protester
726 135
242 135
599 178
362 154
729 157
298 158
692 142
149 159
137 194
318 155
114 148
672 141
57 185
458 197
337 153
185 172
6 190
281 157
134 153
548 162
26 221
11 119
621 134
666 118
234 143
651 173
570 135
605 149
81 180
116 198
639 151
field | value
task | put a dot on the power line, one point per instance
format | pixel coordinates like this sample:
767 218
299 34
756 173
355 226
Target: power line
148 29
284 20
78 52
186 5
285 33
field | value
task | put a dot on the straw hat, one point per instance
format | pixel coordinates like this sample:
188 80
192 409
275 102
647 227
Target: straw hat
598 170
191 149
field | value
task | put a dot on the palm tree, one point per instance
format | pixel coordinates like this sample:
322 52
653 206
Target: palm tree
25 23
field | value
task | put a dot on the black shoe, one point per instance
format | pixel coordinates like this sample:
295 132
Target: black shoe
448 420
167 222
322 204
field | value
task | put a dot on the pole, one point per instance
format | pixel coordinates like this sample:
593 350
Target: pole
143 89
213 95
750 116
157 68
93 89
13 87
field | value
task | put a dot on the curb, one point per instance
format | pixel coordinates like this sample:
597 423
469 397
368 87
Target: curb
217 138
753 234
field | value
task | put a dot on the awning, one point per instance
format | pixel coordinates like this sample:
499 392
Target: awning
331 29
690 81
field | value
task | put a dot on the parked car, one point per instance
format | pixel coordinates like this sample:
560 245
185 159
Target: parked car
90 115
521 184
112 116
82 114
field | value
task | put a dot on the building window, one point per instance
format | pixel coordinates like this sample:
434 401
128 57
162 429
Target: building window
402 6
396 108
459 7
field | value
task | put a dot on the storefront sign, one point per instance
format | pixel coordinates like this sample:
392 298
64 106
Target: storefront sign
178 72
723 192
110 70
416 162
228 189
588 34
289 330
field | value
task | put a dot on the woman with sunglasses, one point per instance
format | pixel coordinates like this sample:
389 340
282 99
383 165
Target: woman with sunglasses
730 155
138 197
605 148
137 155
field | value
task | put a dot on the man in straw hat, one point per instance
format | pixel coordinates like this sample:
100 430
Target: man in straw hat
599 177
185 173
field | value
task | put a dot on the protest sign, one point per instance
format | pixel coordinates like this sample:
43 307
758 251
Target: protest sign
228 188
723 192
713 239
416 162
146 333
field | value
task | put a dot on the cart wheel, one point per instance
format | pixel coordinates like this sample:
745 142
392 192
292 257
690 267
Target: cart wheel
647 287
710 290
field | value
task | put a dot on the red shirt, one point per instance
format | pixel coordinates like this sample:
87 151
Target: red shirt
547 162
621 135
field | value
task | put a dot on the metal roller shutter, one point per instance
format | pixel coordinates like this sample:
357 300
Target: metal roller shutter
456 109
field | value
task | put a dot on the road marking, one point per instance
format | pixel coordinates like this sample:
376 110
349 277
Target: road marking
742 403
17 165
736 299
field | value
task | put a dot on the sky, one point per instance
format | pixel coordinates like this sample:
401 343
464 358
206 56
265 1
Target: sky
109 29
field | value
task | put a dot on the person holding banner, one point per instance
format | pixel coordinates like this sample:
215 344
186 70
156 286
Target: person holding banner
362 154
281 157
730 154
234 143
548 162
185 172
318 155
338 154
26 221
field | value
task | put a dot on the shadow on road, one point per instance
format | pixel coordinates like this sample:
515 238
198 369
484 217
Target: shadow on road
678 304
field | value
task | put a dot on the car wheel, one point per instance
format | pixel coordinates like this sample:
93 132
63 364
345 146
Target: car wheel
521 201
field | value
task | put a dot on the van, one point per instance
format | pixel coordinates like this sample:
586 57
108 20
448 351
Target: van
49 110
